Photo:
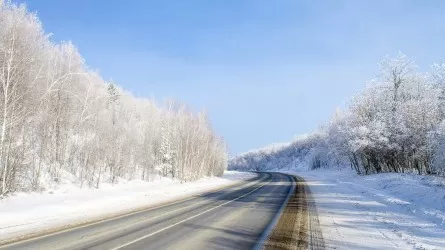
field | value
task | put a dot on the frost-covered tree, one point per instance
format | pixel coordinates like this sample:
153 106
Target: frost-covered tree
387 125
395 125
59 120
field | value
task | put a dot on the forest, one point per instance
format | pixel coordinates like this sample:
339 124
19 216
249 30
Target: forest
61 120
396 124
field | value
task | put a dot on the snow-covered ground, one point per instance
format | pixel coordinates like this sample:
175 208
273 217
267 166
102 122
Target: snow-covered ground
28 213
384 211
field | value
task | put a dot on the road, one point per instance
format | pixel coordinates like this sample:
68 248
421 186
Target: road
238 217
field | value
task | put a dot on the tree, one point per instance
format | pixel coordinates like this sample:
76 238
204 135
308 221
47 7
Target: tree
58 119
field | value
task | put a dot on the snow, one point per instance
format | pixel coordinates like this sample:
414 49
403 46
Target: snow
29 213
382 211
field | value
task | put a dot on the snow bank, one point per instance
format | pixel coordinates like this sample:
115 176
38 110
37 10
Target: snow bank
26 213
382 211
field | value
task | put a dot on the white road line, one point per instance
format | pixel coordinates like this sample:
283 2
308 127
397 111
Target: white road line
93 223
194 196
182 221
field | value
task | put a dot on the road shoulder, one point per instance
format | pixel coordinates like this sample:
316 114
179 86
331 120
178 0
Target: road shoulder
298 226
383 211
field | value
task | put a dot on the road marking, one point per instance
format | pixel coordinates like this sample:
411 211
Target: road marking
182 221
194 196
202 203
93 223
129 224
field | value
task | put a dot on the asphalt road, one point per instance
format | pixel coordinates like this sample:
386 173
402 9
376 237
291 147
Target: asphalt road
238 217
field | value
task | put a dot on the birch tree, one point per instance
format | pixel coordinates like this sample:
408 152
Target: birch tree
59 119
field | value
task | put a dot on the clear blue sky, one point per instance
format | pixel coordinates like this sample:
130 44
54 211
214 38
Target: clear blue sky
265 70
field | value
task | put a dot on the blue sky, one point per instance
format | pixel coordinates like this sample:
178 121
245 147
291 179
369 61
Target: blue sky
264 70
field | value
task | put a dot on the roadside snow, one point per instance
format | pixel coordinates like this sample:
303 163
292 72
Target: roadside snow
384 211
28 213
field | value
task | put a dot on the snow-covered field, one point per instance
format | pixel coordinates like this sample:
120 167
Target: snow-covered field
28 213
384 211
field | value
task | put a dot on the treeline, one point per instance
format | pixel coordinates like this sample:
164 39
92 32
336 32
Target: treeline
303 152
397 124
58 118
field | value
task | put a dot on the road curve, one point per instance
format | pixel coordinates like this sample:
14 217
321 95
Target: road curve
234 218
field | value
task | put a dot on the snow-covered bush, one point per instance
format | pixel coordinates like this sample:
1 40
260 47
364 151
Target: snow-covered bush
437 138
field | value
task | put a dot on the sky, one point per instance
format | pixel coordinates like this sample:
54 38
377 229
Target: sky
265 71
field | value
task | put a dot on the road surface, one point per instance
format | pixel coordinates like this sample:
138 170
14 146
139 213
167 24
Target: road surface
246 216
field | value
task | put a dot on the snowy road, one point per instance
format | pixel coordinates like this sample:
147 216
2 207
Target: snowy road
232 218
